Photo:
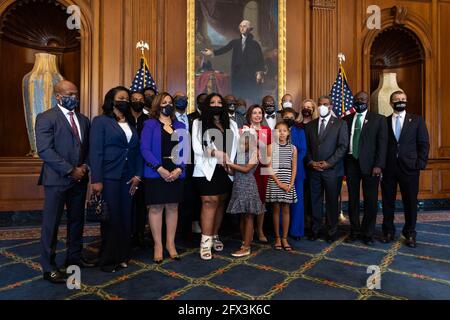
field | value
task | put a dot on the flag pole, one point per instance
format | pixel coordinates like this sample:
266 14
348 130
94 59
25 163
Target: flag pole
341 59
142 45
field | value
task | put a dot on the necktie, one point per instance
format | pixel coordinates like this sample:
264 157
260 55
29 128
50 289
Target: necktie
271 116
322 128
243 44
398 128
74 128
356 136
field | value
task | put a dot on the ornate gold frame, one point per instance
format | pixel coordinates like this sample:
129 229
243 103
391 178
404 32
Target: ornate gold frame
190 86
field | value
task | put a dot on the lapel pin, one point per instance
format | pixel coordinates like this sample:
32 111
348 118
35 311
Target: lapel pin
410 120
366 121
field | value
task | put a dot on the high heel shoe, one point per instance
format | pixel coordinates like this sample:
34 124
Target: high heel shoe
205 247
217 244
158 260
176 258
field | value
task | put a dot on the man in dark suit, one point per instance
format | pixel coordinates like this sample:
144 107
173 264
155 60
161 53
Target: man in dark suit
62 138
247 63
407 154
364 162
187 209
231 105
327 141
271 117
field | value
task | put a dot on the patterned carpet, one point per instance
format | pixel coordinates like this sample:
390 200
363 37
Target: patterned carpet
315 270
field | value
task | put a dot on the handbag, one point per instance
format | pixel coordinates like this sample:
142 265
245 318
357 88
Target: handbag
97 209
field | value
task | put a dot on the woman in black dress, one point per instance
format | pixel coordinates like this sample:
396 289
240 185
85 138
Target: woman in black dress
214 136
163 172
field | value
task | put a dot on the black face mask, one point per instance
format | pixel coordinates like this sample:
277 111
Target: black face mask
149 101
122 106
167 110
216 111
270 109
181 103
400 106
231 107
138 106
306 113
290 122
360 107
241 110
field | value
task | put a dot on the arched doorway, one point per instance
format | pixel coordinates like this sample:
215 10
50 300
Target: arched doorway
398 50
27 28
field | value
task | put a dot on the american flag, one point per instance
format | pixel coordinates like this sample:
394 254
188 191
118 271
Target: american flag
143 78
342 96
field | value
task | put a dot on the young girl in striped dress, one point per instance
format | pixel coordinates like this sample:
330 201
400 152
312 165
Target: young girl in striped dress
281 189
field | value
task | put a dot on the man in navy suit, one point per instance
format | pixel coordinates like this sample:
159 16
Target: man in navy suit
62 138
407 154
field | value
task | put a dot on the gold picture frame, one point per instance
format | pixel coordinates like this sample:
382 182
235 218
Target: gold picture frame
191 51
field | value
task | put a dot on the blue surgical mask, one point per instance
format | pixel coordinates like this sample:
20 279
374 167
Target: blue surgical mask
69 102
181 103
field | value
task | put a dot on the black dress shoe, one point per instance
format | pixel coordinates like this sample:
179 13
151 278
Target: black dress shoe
368 241
411 242
332 238
351 238
81 263
313 237
55 277
387 238
296 238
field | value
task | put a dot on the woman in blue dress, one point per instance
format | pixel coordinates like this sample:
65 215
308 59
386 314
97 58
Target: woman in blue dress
298 139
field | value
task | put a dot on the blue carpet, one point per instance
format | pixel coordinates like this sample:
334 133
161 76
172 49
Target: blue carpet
314 271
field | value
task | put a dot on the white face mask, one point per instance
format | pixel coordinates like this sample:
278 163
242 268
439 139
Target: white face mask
287 105
324 111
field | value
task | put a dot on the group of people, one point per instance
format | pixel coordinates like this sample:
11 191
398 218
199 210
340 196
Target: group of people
147 157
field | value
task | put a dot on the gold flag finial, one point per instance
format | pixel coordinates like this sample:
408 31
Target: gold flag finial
341 58
141 45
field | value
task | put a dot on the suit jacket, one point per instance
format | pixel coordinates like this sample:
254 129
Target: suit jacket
331 148
372 142
110 151
204 165
240 120
190 165
413 147
244 64
278 118
151 147
57 146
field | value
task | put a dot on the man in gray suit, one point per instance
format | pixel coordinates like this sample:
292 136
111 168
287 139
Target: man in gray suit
62 137
327 141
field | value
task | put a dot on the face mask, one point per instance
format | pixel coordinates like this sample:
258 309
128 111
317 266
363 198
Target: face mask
122 106
324 111
231 107
360 107
306 113
287 105
69 102
270 109
149 101
400 106
216 111
167 110
241 110
138 106
290 122
181 103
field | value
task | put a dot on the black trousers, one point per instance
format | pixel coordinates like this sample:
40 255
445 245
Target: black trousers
370 195
327 182
139 211
56 197
409 189
116 233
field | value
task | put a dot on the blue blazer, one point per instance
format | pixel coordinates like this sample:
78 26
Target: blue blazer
110 150
298 139
151 147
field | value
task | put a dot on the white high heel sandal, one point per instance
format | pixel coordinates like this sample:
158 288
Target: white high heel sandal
205 247
217 244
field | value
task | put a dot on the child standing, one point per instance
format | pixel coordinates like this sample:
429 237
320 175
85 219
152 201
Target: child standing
281 189
245 197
